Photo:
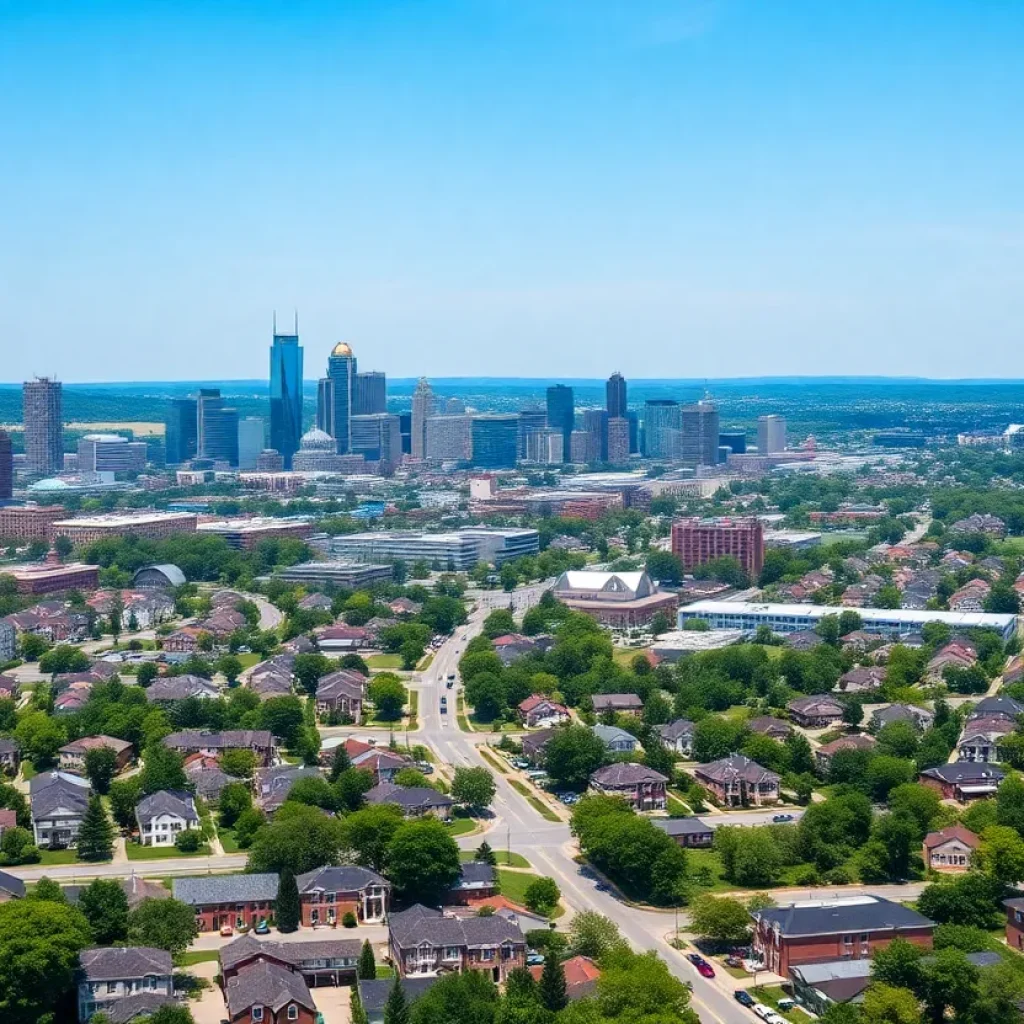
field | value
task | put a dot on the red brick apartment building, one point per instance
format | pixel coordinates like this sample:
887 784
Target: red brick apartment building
29 522
697 541
824 931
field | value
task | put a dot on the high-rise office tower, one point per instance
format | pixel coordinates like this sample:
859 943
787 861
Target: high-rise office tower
285 393
530 421
562 415
618 440
405 424
44 425
455 407
633 419
180 431
325 405
252 441
341 368
734 440
661 422
582 448
545 446
700 434
6 466
369 393
595 423
495 438
615 393
378 438
449 438
771 434
423 405
217 427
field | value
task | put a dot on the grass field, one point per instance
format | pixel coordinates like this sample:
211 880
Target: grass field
505 858
461 716
228 840
137 852
515 883
139 428
384 661
710 860
413 698
495 762
58 857
538 805
248 660
460 826
197 956
28 770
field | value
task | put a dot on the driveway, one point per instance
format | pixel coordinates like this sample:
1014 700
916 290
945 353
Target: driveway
210 1008
334 1003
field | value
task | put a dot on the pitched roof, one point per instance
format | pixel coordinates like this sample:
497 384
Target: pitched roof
841 916
226 739
612 701
248 947
421 924
226 889
373 994
180 688
965 835
676 729
87 743
409 798
736 766
476 872
856 742
999 705
968 772
167 801
55 790
814 705
626 773
111 963
682 826
537 700
266 984
609 734
766 724
124 1011
339 878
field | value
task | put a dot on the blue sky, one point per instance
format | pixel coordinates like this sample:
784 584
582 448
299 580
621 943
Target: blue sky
672 188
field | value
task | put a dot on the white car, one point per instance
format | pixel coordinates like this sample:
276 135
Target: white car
764 1012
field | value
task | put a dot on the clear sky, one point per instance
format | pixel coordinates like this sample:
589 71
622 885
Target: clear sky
671 188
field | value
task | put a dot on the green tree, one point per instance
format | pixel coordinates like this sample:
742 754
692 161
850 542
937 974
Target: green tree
387 692
971 899
100 766
473 787
720 919
423 861
542 896
315 791
166 924
485 854
18 847
124 795
96 834
828 629
849 622
299 838
340 762
240 763
40 737
367 969
287 910
884 1004
369 831
351 786
62 659
39 946
715 738
593 935
1001 854
248 824
499 623
235 800
32 646
921 803
1010 802
639 987
48 889
552 985
396 1009
885 773
230 666
573 755
105 906
162 768
664 567
146 673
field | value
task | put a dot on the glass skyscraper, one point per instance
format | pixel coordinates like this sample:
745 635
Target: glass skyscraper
217 427
495 440
562 415
341 368
286 395
182 439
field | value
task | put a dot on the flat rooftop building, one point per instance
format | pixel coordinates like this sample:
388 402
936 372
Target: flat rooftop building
247 533
460 550
51 577
86 529
698 541
29 522
344 574
792 618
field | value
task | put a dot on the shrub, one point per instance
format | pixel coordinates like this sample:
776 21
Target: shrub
349 920
187 841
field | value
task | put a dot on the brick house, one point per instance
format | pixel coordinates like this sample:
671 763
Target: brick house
538 711
327 894
182 641
318 961
171 688
476 881
213 744
736 781
824 754
849 928
642 787
72 755
677 735
239 901
817 712
266 993
963 780
950 849
414 801
423 942
1015 923
341 692
773 728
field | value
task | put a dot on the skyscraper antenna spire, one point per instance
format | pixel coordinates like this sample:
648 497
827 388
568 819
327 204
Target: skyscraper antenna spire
296 321
275 321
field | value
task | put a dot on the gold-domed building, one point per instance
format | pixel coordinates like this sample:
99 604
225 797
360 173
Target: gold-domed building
343 350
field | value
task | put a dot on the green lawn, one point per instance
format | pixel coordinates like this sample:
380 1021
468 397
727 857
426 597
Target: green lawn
28 770
505 858
425 663
497 763
58 857
514 885
538 805
384 661
228 840
710 860
624 655
771 995
677 805
493 726
248 660
460 826
197 956
461 716
137 852
384 972
413 698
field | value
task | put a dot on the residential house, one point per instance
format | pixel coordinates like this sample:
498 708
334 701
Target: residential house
949 849
316 603
266 993
143 610
373 994
317 961
476 881
163 814
860 640
341 638
535 743
980 738
72 755
677 736
816 712
970 597
10 755
327 894
980 522
963 780
9 686
109 974
172 688
424 942
11 888
274 784
206 775
59 802
619 703
272 678
405 606
1004 707
848 928
616 740
341 693
581 976
920 718
823 755
540 712
803 640
689 832
736 781
8 641
512 646
642 787
73 699
213 744
234 901
183 641
954 655
1015 923
773 728
862 679
383 764
413 800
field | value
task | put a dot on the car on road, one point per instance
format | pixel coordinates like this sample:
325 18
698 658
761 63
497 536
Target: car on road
780 819
451 677
425 767
450 683
602 887
520 763
762 1011
703 967
743 997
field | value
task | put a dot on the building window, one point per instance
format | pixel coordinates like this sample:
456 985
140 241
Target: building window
111 987
293 1012
257 1013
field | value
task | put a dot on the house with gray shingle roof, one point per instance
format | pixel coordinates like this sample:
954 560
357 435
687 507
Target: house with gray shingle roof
240 901
327 894
413 800
616 740
59 802
162 815
265 991
641 786
109 974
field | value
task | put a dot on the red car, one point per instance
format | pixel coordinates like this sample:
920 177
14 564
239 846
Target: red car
704 969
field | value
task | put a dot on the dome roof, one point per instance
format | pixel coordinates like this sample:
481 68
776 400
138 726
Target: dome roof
51 484
316 440
343 348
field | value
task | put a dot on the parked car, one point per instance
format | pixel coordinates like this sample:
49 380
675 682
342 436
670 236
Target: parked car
520 762
742 997
450 683
226 930
733 961
762 1011
780 819
262 928
533 959
425 767
705 970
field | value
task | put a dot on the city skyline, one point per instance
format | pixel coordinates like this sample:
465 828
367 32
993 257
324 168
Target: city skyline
687 189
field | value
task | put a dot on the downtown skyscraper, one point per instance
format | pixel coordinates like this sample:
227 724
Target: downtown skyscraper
286 393
562 415
423 406
615 395
334 397
44 425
